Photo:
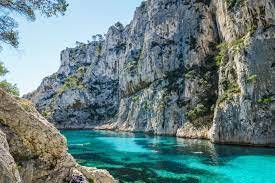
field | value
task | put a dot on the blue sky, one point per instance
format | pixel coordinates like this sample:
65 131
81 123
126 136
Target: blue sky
41 41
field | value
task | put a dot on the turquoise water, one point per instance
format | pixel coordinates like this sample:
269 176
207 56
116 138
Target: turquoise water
141 158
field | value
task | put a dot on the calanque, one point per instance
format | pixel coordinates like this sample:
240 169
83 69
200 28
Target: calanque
194 69
186 68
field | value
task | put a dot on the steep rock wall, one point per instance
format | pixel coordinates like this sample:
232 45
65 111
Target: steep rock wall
84 91
179 68
167 67
246 76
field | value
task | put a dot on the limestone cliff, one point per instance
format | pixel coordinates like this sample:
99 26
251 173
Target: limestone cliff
246 76
32 150
197 69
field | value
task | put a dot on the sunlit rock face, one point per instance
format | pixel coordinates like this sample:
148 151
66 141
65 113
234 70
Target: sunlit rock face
33 151
164 73
168 66
246 75
83 93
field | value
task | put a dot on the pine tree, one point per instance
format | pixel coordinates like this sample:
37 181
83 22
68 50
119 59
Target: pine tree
8 25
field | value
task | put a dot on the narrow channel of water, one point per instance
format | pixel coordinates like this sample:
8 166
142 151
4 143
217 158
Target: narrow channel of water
157 159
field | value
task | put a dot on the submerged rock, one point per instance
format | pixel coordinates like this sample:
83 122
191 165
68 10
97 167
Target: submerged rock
196 69
33 150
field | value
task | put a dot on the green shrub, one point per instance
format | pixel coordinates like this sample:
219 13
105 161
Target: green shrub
251 78
237 45
230 90
146 104
189 74
3 70
265 100
45 114
71 82
5 85
196 112
223 48
10 88
136 98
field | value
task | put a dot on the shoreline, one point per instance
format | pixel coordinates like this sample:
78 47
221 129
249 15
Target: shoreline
167 135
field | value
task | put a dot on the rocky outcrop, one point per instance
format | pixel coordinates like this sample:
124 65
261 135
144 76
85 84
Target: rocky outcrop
148 76
8 167
246 76
196 69
32 150
84 91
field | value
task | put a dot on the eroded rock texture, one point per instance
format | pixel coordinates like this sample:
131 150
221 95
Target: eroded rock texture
33 150
164 73
246 76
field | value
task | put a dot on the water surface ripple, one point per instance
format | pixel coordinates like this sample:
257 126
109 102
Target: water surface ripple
157 159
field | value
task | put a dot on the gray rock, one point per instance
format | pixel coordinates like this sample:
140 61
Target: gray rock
243 113
159 74
33 150
8 167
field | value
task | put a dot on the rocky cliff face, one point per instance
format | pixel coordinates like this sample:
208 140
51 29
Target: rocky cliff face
32 150
197 69
246 76
84 91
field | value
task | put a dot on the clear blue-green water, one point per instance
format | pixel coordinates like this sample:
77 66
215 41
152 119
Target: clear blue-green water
141 158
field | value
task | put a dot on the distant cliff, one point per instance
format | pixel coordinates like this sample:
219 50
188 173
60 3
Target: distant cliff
196 69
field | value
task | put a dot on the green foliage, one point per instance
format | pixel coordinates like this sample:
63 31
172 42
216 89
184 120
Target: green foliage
71 82
236 45
45 114
119 26
265 100
98 38
230 90
91 180
3 70
251 78
233 88
146 104
189 74
136 98
5 85
8 87
197 112
234 3
223 48
8 25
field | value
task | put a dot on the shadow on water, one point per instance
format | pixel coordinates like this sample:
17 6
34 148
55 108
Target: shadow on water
143 158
